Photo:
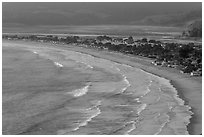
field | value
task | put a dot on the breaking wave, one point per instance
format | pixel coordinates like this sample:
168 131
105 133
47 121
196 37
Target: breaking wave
93 111
58 64
81 91
35 52
144 106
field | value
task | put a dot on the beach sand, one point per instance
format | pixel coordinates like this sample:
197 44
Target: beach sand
189 88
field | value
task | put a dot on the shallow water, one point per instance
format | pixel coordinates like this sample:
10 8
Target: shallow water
53 91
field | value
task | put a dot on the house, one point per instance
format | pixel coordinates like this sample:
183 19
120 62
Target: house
118 40
164 64
187 69
129 40
157 63
196 73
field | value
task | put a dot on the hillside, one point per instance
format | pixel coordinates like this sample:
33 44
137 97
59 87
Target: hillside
194 29
180 19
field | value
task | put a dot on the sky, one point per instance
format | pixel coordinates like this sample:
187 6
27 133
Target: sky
98 13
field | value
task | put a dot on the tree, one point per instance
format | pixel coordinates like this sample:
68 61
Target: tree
144 40
185 51
130 40
152 41
55 38
101 38
33 37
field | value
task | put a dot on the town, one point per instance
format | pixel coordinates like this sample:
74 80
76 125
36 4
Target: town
187 58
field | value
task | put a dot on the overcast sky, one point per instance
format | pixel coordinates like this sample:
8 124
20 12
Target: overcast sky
87 13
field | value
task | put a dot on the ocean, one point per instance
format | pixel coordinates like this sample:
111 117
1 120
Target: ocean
48 91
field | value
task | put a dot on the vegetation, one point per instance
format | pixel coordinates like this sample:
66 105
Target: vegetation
185 57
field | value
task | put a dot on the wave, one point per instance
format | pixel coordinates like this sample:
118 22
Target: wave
124 79
35 52
134 122
118 69
180 101
168 83
127 83
178 108
132 128
84 123
141 108
148 89
94 111
163 124
82 58
58 64
137 99
143 104
89 66
127 65
81 91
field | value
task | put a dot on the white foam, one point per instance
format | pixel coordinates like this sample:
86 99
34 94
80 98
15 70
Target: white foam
137 99
132 128
88 65
84 123
35 52
179 100
84 54
124 79
159 99
127 65
58 64
140 109
118 69
81 91
163 124
123 105
148 89
84 90
127 83
97 104
95 112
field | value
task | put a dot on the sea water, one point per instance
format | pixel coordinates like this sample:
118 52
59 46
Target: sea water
55 91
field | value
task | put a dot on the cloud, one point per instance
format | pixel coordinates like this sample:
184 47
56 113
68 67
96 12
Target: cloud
87 13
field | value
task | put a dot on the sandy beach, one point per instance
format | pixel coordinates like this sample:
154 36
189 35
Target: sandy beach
189 88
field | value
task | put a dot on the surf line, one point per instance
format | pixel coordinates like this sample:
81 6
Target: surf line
124 79
95 111
92 112
127 83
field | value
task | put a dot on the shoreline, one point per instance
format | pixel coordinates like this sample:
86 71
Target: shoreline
187 87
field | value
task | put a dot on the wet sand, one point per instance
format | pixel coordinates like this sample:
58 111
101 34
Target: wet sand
189 88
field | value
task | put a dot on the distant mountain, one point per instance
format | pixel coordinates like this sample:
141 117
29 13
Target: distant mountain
180 19
98 13
194 29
